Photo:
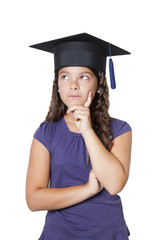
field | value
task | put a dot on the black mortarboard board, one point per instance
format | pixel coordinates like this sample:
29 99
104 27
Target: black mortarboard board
82 50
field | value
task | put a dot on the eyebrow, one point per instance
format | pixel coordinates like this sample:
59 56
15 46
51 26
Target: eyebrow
79 73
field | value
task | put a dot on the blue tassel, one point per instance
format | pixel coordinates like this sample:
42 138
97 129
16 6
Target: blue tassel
111 70
112 76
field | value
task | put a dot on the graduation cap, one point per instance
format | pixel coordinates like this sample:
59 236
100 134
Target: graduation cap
82 50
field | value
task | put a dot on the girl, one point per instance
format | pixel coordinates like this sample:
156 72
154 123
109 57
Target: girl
80 156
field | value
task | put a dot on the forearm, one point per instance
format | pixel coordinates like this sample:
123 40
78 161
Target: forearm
57 198
108 169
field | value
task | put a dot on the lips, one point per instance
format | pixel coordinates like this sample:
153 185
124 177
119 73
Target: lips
74 96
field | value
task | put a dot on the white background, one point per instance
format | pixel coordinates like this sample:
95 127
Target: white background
26 77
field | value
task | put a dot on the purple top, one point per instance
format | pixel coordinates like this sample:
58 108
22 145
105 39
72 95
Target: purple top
97 218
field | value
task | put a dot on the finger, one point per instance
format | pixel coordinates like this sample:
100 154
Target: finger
75 107
80 116
89 100
84 111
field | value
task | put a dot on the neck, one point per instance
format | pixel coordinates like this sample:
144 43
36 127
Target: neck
69 117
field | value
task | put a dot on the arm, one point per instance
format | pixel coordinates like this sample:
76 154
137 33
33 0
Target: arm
38 195
111 168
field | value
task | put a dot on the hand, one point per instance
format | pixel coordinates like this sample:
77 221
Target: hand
82 115
94 186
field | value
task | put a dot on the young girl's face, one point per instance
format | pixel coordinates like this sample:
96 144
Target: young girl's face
74 85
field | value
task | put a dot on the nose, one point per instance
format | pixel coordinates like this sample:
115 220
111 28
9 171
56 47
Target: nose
74 85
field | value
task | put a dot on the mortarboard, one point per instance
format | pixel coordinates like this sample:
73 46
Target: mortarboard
82 50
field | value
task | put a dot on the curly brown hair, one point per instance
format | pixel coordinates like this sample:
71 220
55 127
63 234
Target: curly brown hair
98 109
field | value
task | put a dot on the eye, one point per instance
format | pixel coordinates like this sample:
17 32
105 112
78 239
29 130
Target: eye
85 77
65 77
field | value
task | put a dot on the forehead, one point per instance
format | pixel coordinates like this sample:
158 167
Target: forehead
75 70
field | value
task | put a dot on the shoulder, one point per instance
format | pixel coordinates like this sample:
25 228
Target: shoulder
45 128
119 127
45 132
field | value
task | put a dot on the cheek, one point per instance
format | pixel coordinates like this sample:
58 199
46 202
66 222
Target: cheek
61 91
86 91
62 88
92 87
59 85
62 94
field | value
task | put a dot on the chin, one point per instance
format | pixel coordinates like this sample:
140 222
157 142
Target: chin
77 101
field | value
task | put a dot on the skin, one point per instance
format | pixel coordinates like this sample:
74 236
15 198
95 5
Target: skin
110 170
77 81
